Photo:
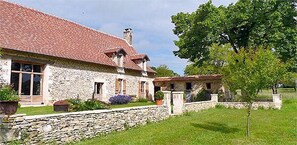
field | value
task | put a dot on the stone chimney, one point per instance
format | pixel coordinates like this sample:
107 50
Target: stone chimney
128 35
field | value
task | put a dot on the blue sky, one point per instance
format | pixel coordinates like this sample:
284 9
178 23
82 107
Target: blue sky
149 19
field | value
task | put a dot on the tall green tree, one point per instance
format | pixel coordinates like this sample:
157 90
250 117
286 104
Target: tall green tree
164 71
251 71
217 59
247 24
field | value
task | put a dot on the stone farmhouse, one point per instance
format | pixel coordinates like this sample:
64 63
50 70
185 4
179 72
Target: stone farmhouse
190 84
47 59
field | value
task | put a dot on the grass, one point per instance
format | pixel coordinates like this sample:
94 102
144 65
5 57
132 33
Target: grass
50 110
36 110
214 126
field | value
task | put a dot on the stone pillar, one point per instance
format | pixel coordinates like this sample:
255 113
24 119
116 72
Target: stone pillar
277 100
214 97
166 100
178 102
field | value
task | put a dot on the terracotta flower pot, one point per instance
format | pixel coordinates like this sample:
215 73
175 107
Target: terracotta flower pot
62 105
159 102
8 107
63 108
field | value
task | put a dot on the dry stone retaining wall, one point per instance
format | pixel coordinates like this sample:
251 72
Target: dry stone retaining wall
68 127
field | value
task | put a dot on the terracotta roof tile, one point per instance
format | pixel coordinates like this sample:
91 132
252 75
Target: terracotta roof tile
139 56
25 29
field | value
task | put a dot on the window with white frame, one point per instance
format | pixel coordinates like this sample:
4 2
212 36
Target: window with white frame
26 79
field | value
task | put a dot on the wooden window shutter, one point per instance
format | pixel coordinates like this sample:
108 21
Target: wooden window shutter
146 89
117 86
147 86
125 87
139 89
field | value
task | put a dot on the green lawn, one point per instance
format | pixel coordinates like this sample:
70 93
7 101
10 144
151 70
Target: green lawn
215 126
50 109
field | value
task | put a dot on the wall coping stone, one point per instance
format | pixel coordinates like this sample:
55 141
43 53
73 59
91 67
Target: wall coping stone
86 112
200 102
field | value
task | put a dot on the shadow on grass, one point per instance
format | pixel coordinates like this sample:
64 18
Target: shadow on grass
218 127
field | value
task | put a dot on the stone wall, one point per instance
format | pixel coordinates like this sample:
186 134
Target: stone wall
198 106
69 127
243 105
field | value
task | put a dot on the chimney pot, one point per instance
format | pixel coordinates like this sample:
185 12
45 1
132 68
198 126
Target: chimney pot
128 35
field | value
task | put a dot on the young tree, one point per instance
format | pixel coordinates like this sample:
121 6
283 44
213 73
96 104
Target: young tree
251 71
164 71
247 24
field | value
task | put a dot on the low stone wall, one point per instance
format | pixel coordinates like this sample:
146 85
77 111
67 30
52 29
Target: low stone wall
198 106
243 105
68 127
275 104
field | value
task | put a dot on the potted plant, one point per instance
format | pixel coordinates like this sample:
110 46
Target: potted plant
62 105
9 100
159 96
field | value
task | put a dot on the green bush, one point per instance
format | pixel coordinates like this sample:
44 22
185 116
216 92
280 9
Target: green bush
8 94
79 105
159 95
202 95
142 100
94 105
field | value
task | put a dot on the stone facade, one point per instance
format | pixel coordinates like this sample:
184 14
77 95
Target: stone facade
5 64
64 79
196 85
69 127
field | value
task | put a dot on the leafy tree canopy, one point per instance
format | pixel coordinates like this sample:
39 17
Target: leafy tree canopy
164 71
252 71
247 24
217 59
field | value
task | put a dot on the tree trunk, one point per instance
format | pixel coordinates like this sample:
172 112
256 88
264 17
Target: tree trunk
248 119
274 89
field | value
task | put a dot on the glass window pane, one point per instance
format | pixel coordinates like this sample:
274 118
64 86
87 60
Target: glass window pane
15 66
36 68
27 67
36 84
14 81
26 80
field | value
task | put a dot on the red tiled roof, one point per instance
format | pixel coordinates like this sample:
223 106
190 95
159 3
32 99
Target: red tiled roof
28 30
139 56
113 50
188 78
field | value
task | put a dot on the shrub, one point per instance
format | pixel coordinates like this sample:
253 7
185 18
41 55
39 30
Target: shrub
75 105
7 93
120 99
142 100
94 105
159 95
79 105
202 95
